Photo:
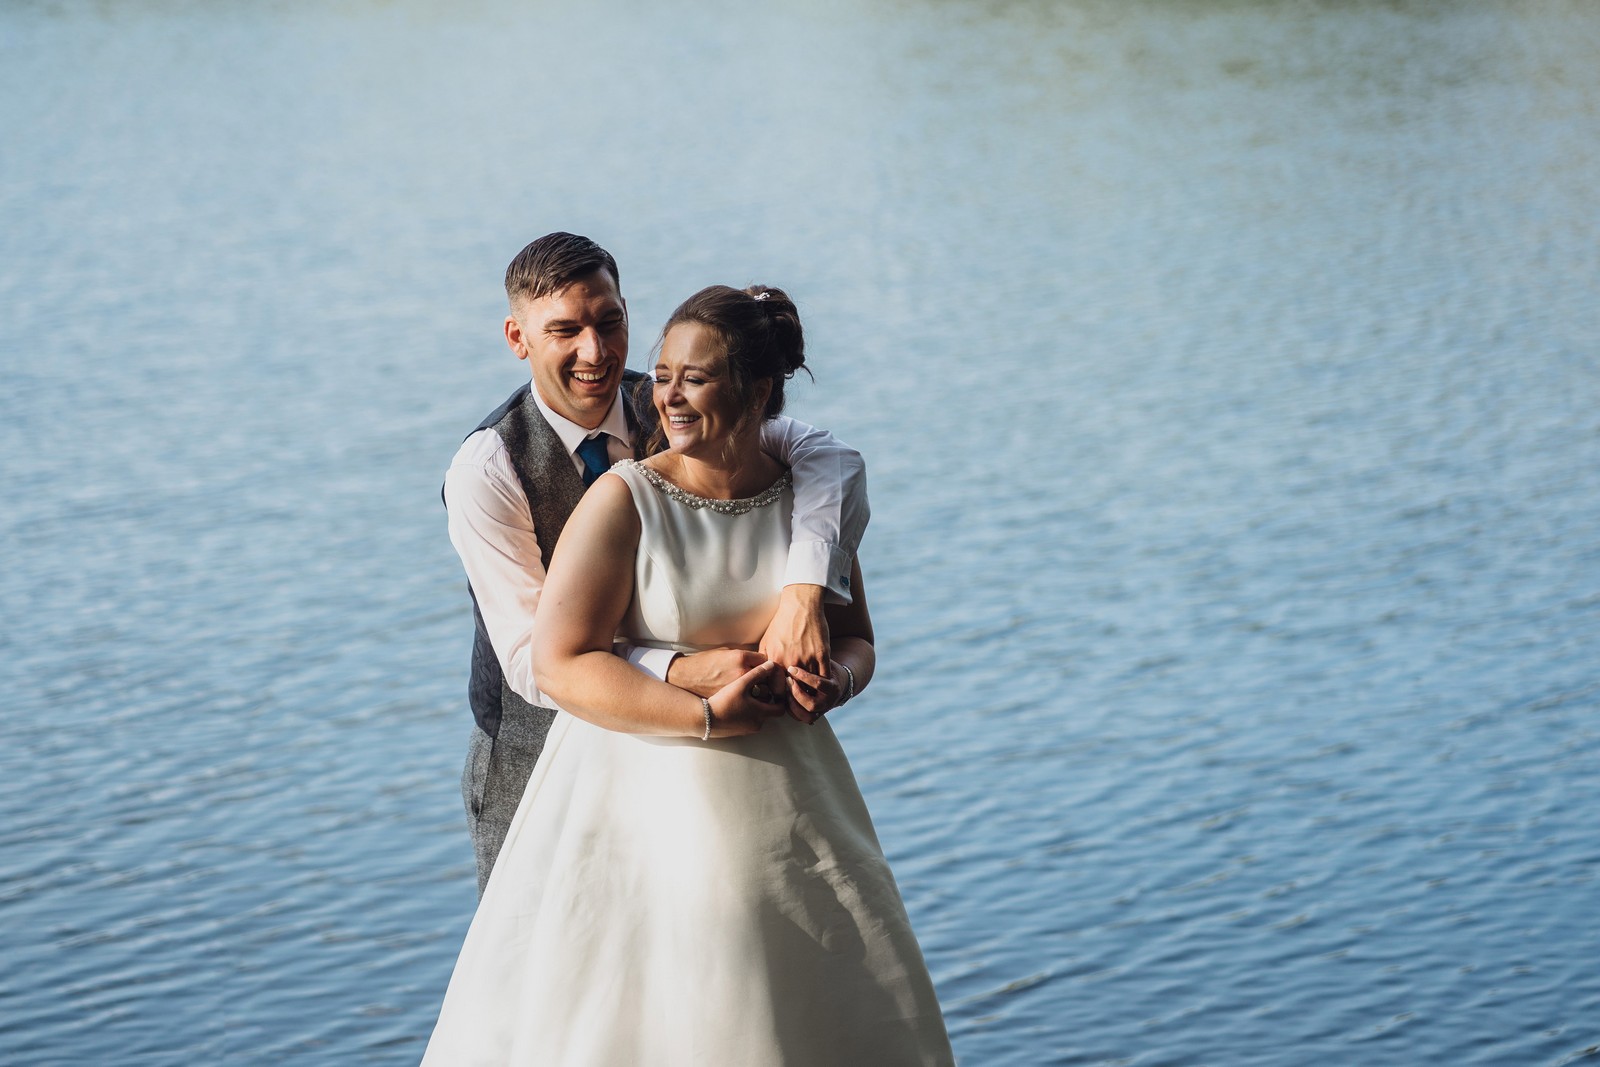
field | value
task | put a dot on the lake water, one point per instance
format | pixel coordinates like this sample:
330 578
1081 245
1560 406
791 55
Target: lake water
1229 375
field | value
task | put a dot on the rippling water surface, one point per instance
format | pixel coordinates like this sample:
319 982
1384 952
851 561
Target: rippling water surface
1230 378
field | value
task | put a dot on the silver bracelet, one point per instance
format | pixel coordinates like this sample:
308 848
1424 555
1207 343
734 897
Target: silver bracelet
705 705
850 688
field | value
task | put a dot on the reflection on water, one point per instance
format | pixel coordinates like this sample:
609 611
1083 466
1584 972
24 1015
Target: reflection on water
1228 376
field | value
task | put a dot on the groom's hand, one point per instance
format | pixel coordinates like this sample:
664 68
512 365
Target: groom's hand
704 673
798 636
812 695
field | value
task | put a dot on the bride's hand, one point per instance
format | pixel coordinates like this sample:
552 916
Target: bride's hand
811 695
744 705
703 673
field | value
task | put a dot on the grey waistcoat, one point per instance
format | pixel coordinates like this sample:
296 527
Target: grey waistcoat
553 487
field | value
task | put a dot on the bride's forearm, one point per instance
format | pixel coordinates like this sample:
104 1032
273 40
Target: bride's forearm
857 654
851 626
600 688
607 691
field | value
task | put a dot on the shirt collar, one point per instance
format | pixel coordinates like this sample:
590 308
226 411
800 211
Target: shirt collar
572 435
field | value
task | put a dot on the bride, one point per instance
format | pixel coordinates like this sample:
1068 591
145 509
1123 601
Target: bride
692 881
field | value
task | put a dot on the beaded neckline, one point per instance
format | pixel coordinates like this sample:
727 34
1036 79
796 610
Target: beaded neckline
724 507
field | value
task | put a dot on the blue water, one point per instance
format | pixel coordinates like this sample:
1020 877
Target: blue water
1229 375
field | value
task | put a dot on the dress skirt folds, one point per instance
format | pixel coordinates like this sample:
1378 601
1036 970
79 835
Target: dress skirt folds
668 901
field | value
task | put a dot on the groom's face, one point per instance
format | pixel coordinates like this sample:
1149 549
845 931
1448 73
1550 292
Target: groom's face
576 343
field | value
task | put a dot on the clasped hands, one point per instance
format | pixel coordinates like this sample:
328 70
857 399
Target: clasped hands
790 673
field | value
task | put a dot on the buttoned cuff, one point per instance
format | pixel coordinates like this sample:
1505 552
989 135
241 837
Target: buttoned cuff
653 661
819 563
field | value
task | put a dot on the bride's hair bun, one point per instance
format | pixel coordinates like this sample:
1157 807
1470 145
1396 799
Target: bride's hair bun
787 341
759 327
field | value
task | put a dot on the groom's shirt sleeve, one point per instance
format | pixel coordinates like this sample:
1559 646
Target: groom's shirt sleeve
830 504
491 527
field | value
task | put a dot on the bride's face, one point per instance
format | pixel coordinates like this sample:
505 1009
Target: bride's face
694 395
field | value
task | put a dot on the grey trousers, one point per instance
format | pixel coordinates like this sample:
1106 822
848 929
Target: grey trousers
496 773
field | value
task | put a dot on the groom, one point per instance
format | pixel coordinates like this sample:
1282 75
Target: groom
517 477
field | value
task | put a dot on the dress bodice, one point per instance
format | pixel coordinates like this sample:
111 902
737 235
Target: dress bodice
708 572
679 902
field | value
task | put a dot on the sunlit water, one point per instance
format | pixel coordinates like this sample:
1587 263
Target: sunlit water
1230 379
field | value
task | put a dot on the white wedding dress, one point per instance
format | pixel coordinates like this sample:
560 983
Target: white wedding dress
668 902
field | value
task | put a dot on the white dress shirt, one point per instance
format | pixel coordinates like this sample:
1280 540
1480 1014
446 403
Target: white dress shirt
491 527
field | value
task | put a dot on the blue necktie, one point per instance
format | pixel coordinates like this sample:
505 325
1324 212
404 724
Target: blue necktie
595 460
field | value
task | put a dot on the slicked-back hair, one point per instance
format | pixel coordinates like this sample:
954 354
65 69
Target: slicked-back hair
554 262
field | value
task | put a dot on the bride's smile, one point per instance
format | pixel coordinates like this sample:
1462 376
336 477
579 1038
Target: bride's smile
706 420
